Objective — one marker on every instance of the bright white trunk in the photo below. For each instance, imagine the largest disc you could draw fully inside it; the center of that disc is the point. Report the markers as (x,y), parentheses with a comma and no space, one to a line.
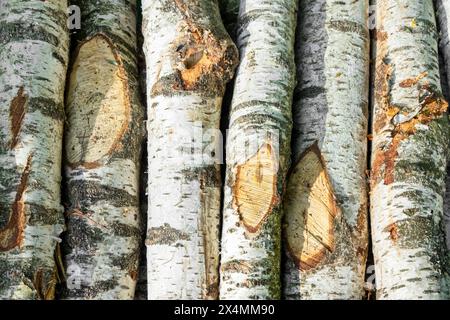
(409,154)
(190,58)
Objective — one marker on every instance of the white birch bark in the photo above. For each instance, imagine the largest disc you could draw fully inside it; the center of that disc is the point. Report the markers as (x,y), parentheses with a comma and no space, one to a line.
(409,154)
(258,150)
(33,62)
(442,8)
(447,209)
(190,58)
(102,151)
(331,112)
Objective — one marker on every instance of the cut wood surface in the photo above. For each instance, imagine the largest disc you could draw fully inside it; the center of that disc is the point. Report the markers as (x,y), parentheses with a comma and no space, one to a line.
(258,150)
(224,149)
(326,202)
(103,138)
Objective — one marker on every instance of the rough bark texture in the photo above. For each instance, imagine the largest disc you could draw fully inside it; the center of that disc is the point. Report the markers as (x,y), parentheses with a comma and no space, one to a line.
(102,154)
(141,286)
(33,63)
(190,58)
(258,150)
(331,120)
(409,154)
(443,14)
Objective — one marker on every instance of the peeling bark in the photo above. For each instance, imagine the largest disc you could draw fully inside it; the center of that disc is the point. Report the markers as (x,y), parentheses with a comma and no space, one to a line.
(331,122)
(33,63)
(190,58)
(258,150)
(410,146)
(103,141)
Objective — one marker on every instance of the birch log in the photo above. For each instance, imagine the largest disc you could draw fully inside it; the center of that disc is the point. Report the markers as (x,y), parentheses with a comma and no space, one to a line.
(102,154)
(442,8)
(409,154)
(33,63)
(190,58)
(325,204)
(258,150)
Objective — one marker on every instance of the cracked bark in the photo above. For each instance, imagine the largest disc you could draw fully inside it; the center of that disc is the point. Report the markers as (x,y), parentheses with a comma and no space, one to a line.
(258,150)
(190,58)
(33,63)
(104,135)
(410,146)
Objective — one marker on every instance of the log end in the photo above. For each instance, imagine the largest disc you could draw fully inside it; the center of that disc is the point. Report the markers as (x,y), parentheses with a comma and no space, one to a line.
(98,104)
(310,209)
(255,188)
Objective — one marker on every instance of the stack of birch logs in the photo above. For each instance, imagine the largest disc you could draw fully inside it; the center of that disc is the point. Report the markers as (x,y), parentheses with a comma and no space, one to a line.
(224,149)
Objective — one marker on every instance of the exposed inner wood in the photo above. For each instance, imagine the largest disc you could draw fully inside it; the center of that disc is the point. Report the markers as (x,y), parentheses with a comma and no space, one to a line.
(45,288)
(255,189)
(11,236)
(310,209)
(433,107)
(413,81)
(203,56)
(16,115)
(98,105)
